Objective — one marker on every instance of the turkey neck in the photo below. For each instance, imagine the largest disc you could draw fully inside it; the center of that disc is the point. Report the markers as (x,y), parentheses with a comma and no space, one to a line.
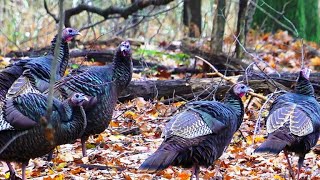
(235,102)
(71,125)
(63,56)
(304,86)
(122,70)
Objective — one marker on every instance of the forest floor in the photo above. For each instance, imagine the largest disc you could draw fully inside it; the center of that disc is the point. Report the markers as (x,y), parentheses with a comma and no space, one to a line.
(114,155)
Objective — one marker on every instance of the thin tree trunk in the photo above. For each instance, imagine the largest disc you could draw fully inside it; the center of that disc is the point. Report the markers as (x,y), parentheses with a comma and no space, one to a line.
(192,17)
(134,20)
(218,27)
(241,27)
(249,17)
(48,126)
(217,30)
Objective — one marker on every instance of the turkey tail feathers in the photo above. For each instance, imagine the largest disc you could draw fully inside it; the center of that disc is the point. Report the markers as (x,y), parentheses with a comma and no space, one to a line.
(271,146)
(158,161)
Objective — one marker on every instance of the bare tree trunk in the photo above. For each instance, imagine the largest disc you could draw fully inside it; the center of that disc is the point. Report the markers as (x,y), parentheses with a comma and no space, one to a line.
(134,20)
(218,27)
(192,17)
(240,27)
(217,30)
(245,17)
(249,17)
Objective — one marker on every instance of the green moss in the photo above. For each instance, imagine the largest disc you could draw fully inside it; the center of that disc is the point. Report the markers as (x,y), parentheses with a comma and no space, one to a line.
(179,57)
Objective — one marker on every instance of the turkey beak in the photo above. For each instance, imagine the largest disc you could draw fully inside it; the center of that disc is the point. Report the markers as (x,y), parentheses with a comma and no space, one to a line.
(85,98)
(77,33)
(249,90)
(124,51)
(122,48)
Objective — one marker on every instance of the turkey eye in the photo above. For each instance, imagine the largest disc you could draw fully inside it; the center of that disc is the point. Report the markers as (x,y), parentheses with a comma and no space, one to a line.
(242,87)
(77,95)
(70,30)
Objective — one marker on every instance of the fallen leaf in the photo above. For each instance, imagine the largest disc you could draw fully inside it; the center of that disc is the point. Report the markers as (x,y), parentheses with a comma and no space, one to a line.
(114,124)
(131,115)
(184,175)
(77,170)
(278,177)
(315,61)
(127,177)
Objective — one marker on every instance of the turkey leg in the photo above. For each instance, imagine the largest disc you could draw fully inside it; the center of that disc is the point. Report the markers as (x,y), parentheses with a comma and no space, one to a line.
(195,171)
(83,145)
(289,164)
(300,164)
(12,171)
(24,165)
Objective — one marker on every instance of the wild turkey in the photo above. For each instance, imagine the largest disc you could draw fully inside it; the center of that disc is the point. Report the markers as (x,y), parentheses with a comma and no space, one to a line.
(35,75)
(26,138)
(104,84)
(198,135)
(293,122)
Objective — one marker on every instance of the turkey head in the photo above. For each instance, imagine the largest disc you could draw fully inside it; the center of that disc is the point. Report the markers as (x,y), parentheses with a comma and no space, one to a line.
(124,49)
(241,89)
(68,34)
(78,99)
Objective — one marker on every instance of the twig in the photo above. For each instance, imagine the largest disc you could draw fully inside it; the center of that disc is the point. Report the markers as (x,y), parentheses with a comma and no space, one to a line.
(92,25)
(281,13)
(54,65)
(160,12)
(302,54)
(12,41)
(50,13)
(266,75)
(100,167)
(132,26)
(275,19)
(258,122)
(158,30)
(229,79)
(12,139)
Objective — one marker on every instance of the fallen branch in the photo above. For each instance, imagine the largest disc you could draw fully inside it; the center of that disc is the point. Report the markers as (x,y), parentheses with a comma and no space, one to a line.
(100,167)
(112,42)
(288,80)
(132,131)
(182,89)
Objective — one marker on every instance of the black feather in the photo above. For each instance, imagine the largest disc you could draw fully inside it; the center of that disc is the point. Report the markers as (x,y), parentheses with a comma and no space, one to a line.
(293,122)
(103,84)
(198,135)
